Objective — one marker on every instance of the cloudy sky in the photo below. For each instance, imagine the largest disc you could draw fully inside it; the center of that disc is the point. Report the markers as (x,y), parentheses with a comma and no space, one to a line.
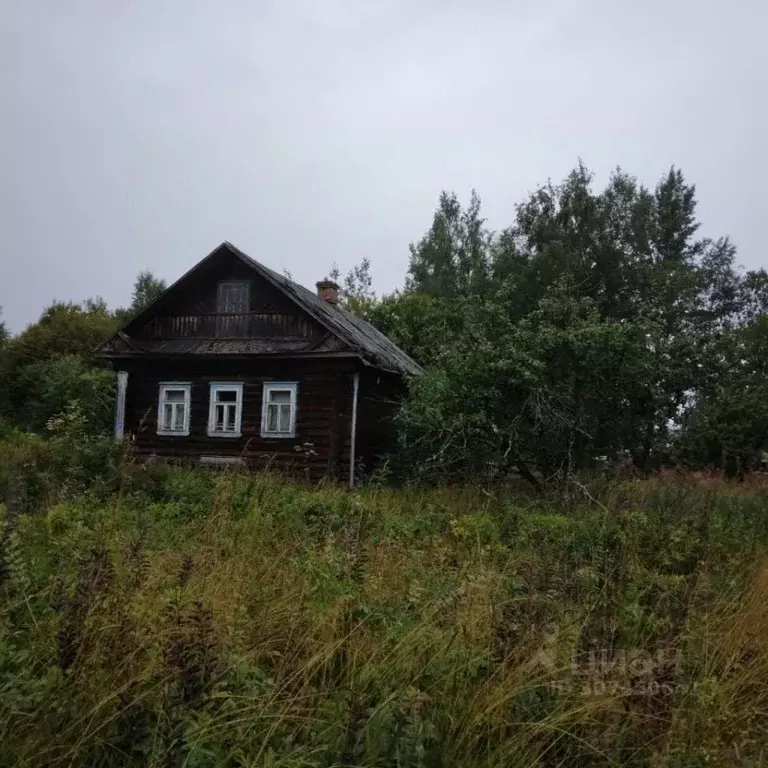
(141,133)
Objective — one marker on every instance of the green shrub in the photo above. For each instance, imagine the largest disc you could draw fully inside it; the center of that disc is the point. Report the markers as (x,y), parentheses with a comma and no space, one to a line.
(25,471)
(35,471)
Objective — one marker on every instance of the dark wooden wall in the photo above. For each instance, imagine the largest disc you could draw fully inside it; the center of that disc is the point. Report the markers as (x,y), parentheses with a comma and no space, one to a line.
(199,296)
(379,397)
(323,416)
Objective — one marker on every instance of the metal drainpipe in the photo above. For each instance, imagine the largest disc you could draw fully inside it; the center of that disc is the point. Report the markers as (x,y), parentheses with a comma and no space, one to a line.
(353,429)
(122,386)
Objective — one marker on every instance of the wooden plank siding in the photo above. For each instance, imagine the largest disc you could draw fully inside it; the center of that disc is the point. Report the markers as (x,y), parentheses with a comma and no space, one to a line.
(323,413)
(194,312)
(379,398)
(231,326)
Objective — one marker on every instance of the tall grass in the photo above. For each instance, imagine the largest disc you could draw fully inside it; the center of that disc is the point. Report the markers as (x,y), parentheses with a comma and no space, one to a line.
(224,618)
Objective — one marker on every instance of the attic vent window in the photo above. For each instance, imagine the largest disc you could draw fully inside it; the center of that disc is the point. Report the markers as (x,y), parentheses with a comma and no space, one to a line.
(234,298)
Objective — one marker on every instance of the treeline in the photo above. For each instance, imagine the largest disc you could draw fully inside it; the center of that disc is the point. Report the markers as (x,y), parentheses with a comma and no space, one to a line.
(598,327)
(49,369)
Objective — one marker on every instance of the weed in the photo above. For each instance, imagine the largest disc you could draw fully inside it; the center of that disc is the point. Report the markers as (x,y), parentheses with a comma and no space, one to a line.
(242,619)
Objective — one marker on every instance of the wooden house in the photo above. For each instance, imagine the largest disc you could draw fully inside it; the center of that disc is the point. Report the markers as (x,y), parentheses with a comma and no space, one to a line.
(236,363)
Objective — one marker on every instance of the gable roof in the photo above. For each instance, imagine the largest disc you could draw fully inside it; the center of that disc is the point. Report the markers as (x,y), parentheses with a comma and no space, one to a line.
(367,342)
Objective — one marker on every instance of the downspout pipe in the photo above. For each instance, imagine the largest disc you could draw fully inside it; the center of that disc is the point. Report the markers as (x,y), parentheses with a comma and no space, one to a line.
(353,429)
(122,388)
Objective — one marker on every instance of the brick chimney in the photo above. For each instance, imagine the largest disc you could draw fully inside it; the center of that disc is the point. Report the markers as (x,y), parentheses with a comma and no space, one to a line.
(328,291)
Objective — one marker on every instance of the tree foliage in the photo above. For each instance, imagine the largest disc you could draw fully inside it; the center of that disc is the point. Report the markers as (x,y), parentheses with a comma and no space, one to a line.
(452,258)
(67,382)
(728,423)
(50,364)
(49,369)
(597,323)
(4,333)
(356,294)
(146,289)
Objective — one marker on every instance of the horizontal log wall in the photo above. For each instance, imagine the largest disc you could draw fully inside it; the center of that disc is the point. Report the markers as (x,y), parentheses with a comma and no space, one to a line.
(322,419)
(379,399)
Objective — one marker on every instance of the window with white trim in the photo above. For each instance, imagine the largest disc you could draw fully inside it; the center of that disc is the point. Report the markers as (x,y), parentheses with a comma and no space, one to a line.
(173,408)
(225,414)
(278,409)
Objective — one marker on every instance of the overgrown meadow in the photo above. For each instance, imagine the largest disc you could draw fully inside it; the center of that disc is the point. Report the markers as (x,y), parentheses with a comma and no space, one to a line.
(168,617)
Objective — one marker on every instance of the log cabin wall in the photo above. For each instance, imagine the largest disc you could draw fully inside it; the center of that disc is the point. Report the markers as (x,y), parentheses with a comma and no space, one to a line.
(323,416)
(378,400)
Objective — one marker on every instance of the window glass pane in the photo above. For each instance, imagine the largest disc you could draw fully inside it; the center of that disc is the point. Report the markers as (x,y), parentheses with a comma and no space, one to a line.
(167,419)
(174,395)
(226,396)
(225,417)
(178,419)
(271,418)
(233,298)
(280,395)
(279,409)
(285,418)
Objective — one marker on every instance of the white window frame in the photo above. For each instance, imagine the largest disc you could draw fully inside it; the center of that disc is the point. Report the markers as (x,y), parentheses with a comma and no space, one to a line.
(225,386)
(268,388)
(164,387)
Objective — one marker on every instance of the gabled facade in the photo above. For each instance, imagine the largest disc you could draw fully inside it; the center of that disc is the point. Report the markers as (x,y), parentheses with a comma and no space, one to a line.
(237,363)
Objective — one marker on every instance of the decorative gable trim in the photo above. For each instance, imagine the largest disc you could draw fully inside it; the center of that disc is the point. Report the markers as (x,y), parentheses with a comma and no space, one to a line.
(118,344)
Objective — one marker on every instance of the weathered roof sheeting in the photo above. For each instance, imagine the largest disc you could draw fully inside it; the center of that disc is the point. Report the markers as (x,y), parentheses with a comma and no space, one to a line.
(365,341)
(372,345)
(271,346)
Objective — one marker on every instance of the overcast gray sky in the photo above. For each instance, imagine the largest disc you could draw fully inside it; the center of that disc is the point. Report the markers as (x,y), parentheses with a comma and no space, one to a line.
(142,133)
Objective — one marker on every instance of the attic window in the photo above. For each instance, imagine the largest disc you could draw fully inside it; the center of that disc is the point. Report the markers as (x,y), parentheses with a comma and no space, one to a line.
(234,298)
